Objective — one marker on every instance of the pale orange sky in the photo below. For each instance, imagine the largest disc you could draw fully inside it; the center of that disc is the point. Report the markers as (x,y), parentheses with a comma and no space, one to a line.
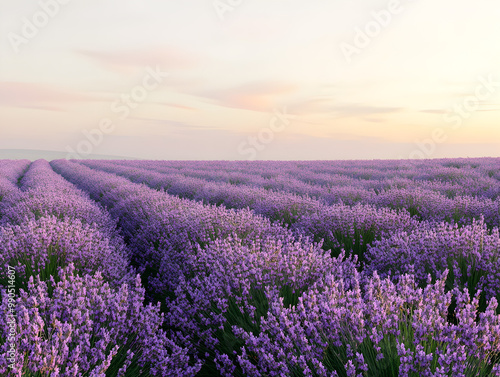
(421,69)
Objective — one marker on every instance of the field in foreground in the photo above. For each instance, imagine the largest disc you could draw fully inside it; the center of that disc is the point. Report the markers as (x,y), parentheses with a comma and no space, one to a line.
(304,268)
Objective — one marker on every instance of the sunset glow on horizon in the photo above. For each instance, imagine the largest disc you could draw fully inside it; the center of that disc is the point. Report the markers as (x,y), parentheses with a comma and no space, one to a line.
(258,79)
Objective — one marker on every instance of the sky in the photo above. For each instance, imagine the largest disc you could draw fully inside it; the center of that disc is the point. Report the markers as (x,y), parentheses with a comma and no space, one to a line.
(251,79)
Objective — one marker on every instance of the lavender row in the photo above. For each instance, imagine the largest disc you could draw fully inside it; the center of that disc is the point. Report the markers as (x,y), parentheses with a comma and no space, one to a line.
(164,231)
(338,226)
(449,177)
(50,223)
(299,180)
(342,227)
(363,169)
(44,193)
(430,202)
(10,172)
(69,261)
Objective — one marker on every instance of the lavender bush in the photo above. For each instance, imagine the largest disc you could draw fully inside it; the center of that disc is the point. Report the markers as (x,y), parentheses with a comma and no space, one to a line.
(471,253)
(230,284)
(10,173)
(81,326)
(376,328)
(353,228)
(39,247)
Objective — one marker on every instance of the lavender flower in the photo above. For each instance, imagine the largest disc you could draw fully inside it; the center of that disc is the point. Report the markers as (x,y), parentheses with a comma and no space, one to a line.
(81,326)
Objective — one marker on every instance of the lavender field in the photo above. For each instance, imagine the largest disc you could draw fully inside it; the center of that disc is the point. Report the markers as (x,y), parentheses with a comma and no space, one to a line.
(250,268)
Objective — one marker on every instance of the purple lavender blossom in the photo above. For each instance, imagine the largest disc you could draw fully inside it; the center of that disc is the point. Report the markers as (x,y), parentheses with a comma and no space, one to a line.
(79,325)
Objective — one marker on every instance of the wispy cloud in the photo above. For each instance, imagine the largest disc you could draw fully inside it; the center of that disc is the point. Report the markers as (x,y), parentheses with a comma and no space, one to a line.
(40,96)
(169,124)
(362,110)
(125,60)
(256,96)
(174,105)
(331,108)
